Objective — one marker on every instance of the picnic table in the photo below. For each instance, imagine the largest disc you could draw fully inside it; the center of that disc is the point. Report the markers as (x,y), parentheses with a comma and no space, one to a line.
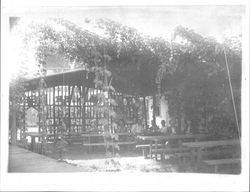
(154,140)
(198,147)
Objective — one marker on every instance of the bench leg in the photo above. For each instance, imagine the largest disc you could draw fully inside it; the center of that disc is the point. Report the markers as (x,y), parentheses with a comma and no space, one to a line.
(150,150)
(162,156)
(216,169)
(156,156)
(183,159)
(179,159)
(144,153)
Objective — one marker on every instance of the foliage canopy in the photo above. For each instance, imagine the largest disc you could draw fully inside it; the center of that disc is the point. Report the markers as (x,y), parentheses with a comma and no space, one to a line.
(190,68)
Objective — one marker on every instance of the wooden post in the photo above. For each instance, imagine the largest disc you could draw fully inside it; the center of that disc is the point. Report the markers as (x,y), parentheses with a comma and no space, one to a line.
(54,113)
(84,95)
(154,108)
(33,143)
(39,109)
(145,111)
(70,95)
(13,124)
(70,99)
(24,121)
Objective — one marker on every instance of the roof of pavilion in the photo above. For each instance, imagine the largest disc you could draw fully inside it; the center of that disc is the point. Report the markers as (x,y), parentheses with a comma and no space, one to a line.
(82,77)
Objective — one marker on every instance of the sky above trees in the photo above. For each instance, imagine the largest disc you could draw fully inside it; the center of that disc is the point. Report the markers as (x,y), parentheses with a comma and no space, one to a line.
(216,21)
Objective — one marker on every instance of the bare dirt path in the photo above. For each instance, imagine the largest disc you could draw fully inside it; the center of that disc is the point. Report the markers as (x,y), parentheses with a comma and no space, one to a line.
(22,160)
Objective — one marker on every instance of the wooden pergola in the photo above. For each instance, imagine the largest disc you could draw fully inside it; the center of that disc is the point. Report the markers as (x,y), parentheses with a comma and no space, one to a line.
(72,90)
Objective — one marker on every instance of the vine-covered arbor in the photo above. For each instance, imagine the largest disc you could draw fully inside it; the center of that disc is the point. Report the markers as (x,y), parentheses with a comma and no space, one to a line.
(71,97)
(189,75)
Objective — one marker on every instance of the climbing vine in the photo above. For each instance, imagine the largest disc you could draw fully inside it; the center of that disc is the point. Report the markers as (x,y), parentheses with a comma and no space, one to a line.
(104,102)
(191,73)
(200,89)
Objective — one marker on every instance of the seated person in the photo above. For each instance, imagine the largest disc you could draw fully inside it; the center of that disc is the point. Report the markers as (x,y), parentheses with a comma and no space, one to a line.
(137,128)
(172,127)
(172,131)
(188,127)
(120,126)
(164,129)
(154,127)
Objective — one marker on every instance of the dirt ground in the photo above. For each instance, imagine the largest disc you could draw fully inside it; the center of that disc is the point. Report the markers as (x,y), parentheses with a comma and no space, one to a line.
(128,160)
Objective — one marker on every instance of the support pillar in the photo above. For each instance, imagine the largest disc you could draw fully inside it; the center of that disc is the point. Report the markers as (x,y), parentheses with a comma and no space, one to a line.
(13,124)
(145,111)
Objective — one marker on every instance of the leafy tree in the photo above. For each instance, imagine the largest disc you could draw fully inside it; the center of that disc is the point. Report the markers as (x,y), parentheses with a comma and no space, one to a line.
(201,83)
(16,93)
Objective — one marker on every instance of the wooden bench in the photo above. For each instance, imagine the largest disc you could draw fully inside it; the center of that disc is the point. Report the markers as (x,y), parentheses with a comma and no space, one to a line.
(145,148)
(125,142)
(221,153)
(94,144)
(103,144)
(178,152)
(121,143)
(71,138)
(215,163)
(75,139)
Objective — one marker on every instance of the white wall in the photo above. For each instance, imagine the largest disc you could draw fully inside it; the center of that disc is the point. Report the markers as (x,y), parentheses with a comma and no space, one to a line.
(57,63)
(164,115)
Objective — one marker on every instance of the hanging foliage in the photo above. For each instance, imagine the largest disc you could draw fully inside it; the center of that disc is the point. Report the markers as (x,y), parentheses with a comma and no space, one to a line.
(194,66)
(201,83)
(103,107)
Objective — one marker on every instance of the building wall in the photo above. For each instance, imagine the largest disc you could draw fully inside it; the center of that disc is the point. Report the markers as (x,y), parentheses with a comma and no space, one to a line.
(163,111)
(57,63)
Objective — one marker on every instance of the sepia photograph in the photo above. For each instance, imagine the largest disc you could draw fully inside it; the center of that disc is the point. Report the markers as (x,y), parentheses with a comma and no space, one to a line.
(125,90)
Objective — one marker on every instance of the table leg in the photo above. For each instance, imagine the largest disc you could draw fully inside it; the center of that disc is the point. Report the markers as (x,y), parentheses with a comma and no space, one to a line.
(199,158)
(150,149)
(216,169)
(179,142)
(193,158)
(89,147)
(156,143)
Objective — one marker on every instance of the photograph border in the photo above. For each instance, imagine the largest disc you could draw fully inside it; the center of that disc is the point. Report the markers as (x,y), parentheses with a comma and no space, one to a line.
(118,181)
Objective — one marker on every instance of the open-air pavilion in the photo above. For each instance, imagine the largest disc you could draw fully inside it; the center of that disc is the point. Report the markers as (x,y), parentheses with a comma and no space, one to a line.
(73,92)
(69,99)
